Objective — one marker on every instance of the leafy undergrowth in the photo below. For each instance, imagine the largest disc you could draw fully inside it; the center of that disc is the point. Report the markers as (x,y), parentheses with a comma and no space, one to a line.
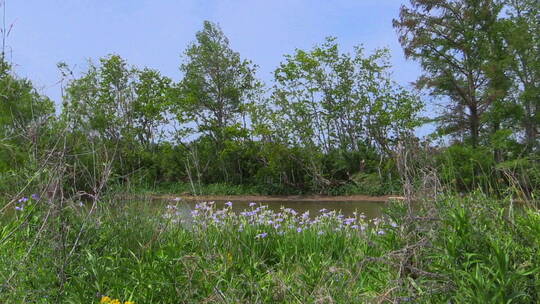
(364,184)
(454,250)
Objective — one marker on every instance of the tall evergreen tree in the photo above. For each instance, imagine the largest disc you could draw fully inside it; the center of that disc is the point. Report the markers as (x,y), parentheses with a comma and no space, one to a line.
(453,41)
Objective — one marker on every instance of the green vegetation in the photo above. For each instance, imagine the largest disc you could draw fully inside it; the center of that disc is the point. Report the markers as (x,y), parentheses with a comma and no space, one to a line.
(330,122)
(470,250)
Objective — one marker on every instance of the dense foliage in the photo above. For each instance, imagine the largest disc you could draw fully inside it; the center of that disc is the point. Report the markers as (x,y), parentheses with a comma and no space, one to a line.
(472,250)
(481,58)
(26,122)
(332,121)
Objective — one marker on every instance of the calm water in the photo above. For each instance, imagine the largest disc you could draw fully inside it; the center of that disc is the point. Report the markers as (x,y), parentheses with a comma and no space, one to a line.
(368,208)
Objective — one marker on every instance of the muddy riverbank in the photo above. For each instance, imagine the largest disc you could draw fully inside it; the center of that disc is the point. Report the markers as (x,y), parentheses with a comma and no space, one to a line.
(278,198)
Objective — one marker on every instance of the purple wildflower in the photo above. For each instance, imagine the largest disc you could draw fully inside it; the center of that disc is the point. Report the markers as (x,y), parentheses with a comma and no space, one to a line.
(261,235)
(252,204)
(291,211)
(349,221)
(228,204)
(35,197)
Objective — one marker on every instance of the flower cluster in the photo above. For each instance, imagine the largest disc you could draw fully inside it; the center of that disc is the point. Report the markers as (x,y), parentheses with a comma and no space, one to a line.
(25,201)
(286,220)
(109,300)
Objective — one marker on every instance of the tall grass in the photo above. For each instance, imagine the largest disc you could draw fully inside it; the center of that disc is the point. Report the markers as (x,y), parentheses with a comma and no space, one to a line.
(451,250)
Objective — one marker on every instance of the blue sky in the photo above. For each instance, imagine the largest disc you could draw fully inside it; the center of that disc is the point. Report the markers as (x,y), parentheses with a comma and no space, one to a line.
(155,33)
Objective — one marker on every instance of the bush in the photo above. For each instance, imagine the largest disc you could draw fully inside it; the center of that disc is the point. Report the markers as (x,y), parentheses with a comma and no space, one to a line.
(466,168)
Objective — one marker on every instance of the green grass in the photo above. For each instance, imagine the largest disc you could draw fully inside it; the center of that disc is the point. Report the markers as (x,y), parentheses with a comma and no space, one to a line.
(456,250)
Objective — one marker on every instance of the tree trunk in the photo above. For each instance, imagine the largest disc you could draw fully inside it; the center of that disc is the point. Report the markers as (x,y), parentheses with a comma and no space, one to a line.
(474,124)
(531,128)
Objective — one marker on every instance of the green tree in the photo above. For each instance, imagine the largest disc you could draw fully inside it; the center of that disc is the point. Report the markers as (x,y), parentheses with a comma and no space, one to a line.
(99,103)
(117,102)
(521,32)
(333,100)
(216,87)
(150,107)
(212,101)
(115,113)
(335,106)
(24,114)
(454,41)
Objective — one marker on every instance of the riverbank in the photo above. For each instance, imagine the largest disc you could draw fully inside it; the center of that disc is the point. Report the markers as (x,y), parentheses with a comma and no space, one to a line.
(188,190)
(279,198)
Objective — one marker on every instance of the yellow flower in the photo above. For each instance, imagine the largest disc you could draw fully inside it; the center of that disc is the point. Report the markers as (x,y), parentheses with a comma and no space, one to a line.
(105,299)
(129,302)
(116,301)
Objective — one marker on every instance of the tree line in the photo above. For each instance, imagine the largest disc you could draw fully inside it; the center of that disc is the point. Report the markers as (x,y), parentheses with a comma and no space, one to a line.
(330,122)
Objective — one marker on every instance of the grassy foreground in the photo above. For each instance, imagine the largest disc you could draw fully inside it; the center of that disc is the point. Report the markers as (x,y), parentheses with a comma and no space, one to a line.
(453,250)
